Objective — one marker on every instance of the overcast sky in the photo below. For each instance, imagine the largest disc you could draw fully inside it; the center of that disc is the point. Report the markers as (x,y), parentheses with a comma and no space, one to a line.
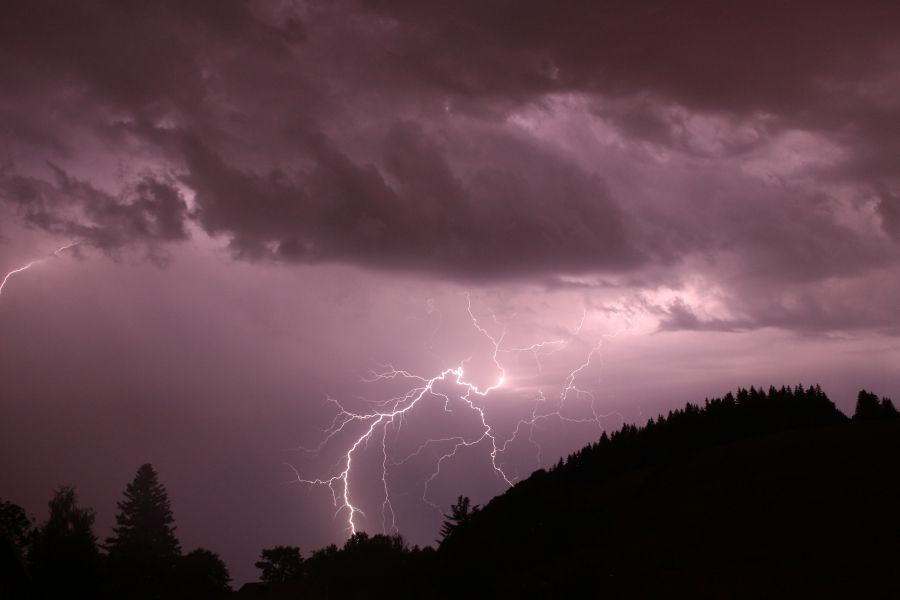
(274,200)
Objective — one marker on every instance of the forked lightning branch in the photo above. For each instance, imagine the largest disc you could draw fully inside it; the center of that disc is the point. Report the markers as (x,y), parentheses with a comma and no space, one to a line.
(375,425)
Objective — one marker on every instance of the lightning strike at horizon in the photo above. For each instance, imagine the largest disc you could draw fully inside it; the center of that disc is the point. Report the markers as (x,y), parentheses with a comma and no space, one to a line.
(393,411)
(34,262)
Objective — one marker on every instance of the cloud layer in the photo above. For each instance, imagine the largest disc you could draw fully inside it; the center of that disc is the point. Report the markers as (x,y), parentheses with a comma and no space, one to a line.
(744,149)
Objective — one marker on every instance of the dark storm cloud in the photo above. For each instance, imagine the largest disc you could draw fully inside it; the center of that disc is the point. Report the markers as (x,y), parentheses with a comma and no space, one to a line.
(137,55)
(406,135)
(151,211)
(746,55)
(498,221)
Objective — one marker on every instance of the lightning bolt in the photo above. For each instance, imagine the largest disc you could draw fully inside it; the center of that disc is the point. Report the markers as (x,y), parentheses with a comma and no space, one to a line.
(391,413)
(34,262)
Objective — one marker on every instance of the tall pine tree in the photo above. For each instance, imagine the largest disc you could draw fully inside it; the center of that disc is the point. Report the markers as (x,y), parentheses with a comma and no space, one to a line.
(143,551)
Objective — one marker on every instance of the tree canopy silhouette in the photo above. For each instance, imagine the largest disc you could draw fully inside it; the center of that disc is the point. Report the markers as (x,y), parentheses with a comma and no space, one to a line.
(280,564)
(15,536)
(64,558)
(201,573)
(143,550)
(869,408)
(15,524)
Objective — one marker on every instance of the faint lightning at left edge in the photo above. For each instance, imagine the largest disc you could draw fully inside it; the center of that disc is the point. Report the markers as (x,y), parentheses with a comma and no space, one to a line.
(34,262)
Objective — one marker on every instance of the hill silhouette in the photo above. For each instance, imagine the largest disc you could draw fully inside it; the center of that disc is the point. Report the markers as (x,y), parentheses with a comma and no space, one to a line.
(758,494)
(773,494)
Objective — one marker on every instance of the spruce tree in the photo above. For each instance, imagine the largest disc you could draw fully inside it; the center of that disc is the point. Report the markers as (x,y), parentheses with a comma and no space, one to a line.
(143,551)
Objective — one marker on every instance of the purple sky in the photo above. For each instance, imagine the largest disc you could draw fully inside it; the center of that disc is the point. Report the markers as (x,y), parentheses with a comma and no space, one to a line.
(273,199)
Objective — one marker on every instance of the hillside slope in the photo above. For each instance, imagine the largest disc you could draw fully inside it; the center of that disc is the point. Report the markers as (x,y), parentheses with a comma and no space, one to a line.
(758,494)
(800,513)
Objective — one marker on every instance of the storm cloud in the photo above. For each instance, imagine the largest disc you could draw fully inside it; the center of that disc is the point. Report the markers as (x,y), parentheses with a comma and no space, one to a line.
(149,212)
(657,142)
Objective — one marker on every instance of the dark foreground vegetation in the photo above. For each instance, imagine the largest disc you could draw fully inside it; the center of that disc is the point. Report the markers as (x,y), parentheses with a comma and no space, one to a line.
(762,494)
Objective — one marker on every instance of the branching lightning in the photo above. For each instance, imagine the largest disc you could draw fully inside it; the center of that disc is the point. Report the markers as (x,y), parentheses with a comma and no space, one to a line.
(34,262)
(390,414)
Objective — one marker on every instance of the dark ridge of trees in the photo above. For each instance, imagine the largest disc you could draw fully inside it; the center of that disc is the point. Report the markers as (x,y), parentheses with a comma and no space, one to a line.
(527,526)
(705,501)
(377,566)
(719,421)
(558,533)
(529,523)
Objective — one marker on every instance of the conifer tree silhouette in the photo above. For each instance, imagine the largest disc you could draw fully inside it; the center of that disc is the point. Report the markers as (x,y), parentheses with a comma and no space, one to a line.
(143,551)
(460,514)
(867,406)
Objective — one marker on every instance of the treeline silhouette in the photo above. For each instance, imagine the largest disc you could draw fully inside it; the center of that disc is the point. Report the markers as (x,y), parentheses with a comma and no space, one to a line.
(62,558)
(687,505)
(571,508)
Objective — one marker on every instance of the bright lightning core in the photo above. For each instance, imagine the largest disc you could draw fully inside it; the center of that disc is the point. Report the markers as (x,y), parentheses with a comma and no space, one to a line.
(452,392)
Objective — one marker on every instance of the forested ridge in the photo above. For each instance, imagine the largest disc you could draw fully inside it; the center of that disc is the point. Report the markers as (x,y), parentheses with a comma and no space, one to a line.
(771,493)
